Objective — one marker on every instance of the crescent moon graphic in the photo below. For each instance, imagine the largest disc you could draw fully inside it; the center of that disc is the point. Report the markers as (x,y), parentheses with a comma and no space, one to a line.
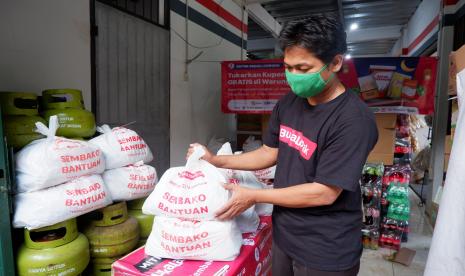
(405,68)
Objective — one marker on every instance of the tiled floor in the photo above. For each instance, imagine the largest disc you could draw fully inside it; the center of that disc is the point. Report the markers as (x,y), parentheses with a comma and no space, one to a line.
(373,264)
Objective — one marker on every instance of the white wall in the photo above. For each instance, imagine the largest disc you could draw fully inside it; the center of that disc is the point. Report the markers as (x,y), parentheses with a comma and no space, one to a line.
(425,13)
(45,44)
(196,103)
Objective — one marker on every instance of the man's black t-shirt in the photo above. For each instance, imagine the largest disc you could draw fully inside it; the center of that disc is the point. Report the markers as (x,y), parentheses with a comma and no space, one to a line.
(328,144)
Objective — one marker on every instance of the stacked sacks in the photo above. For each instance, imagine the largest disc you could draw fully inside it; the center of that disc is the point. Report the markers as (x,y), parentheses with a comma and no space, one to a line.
(20,115)
(57,179)
(125,152)
(111,233)
(121,147)
(68,106)
(127,178)
(184,202)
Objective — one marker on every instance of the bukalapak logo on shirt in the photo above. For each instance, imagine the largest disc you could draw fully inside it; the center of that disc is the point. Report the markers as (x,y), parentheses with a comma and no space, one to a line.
(295,139)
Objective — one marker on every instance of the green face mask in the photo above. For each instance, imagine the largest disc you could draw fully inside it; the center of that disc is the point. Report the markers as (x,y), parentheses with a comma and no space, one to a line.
(308,84)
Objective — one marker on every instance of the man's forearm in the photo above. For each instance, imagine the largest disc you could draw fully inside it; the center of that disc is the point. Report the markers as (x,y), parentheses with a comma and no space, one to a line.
(299,196)
(255,160)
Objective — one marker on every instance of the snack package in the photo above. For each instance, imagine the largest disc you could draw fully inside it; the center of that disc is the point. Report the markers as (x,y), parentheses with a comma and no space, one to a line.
(176,238)
(121,147)
(194,191)
(395,87)
(52,205)
(409,89)
(382,75)
(131,182)
(55,160)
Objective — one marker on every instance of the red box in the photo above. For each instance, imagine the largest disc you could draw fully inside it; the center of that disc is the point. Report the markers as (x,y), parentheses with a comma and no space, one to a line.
(254,259)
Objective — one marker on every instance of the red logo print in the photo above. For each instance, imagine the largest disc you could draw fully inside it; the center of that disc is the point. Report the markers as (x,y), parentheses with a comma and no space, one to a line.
(190,175)
(295,139)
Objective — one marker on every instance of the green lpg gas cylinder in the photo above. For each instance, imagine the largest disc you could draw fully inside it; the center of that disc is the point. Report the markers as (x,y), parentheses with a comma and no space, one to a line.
(145,222)
(102,266)
(20,130)
(55,250)
(62,99)
(112,232)
(19,103)
(73,122)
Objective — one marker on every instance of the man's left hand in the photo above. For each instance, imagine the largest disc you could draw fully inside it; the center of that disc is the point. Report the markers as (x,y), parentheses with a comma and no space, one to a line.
(241,200)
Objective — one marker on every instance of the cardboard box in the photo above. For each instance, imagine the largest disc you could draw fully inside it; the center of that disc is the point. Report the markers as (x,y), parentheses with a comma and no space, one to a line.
(459,59)
(254,259)
(446,161)
(448,144)
(386,120)
(384,148)
(386,141)
(385,158)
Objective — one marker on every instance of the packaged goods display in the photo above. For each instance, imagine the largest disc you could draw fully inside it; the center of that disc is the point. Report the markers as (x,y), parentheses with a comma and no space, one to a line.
(395,206)
(194,191)
(130,182)
(55,160)
(176,238)
(55,250)
(58,203)
(121,147)
(371,186)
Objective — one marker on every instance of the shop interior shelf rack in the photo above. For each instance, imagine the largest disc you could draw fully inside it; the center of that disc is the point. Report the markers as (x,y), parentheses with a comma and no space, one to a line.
(7,265)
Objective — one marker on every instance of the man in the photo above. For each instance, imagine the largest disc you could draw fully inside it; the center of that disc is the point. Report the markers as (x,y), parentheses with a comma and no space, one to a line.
(319,136)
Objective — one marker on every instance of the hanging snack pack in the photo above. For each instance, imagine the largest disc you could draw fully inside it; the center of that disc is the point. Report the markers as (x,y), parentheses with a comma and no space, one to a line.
(54,160)
(131,182)
(121,147)
(192,192)
(52,205)
(176,238)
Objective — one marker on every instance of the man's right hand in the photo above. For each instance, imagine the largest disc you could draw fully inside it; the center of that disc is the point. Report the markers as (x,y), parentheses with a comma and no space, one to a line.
(208,156)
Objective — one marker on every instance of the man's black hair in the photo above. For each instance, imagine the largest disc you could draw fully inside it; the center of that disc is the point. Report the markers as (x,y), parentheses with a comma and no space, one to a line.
(323,35)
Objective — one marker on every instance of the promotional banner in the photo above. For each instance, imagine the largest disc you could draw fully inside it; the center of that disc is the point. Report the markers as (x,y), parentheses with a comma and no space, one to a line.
(393,84)
(252,86)
(387,85)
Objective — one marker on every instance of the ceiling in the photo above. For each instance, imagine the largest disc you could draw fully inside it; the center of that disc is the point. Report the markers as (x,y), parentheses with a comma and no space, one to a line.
(370,15)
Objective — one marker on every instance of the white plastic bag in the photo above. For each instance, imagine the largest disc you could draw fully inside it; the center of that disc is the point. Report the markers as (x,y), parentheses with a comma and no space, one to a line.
(251,144)
(265,173)
(130,182)
(52,205)
(226,150)
(193,192)
(121,147)
(54,160)
(194,240)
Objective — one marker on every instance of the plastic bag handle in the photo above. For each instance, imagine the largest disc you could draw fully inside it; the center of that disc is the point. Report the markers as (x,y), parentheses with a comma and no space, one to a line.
(49,131)
(138,164)
(195,157)
(104,129)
